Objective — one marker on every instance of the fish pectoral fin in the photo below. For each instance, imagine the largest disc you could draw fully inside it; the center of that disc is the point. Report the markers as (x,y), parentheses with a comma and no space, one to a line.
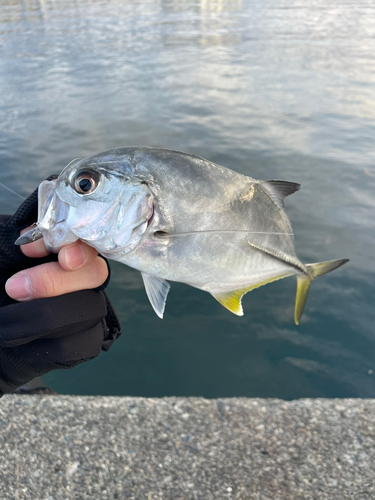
(157,290)
(232,300)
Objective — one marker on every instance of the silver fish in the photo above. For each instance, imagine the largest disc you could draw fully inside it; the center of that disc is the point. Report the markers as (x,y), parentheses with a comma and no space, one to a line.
(177,217)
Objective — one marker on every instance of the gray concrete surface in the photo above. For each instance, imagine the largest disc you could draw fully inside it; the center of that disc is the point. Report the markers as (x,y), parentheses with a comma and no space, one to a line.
(66,447)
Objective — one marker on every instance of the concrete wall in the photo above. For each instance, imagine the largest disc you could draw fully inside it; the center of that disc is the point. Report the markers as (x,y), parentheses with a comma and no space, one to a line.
(66,447)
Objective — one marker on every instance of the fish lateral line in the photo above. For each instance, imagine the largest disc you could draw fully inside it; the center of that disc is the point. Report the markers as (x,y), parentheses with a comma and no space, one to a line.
(164,234)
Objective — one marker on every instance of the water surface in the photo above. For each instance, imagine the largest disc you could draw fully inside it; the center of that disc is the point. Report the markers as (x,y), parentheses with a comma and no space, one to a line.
(272,89)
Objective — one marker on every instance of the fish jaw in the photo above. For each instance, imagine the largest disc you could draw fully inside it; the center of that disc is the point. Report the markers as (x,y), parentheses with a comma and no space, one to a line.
(53,218)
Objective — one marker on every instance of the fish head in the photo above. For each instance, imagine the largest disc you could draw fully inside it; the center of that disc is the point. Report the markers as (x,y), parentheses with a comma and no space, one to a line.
(102,203)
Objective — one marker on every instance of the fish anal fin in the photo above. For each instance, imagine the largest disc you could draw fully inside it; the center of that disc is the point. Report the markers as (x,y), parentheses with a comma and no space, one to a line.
(232,300)
(304,282)
(157,290)
(278,190)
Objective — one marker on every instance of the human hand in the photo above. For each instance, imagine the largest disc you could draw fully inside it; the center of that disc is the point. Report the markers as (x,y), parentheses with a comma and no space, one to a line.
(54,313)
(78,268)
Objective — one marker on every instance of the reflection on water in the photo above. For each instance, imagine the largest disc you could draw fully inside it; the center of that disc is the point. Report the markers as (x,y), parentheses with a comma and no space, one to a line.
(271,89)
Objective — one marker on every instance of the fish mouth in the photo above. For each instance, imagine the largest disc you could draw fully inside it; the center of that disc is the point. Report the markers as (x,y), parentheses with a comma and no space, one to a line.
(52,217)
(51,212)
(33,234)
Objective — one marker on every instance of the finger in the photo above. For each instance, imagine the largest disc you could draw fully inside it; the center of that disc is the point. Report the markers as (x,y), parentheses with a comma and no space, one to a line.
(36,250)
(50,280)
(71,258)
(77,255)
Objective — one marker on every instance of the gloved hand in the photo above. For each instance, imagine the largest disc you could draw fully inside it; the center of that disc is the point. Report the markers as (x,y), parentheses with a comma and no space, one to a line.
(60,331)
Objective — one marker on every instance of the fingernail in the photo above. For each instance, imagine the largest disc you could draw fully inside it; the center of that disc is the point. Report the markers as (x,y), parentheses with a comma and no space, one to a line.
(19,287)
(75,256)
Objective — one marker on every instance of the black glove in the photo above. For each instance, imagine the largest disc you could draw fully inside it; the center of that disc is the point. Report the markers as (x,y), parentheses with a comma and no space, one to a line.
(46,334)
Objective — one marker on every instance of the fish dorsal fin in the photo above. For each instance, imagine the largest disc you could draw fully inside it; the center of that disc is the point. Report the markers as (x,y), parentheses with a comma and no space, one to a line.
(157,290)
(232,300)
(278,190)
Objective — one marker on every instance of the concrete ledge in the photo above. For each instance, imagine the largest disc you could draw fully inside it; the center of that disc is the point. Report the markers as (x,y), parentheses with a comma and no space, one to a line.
(64,447)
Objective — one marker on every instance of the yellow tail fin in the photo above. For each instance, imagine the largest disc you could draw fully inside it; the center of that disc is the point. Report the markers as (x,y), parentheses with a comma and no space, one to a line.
(304,282)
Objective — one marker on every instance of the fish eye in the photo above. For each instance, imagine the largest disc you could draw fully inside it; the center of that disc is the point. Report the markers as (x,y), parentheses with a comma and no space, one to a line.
(86,182)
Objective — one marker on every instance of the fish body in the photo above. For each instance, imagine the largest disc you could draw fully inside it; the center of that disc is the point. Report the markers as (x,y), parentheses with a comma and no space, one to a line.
(177,217)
